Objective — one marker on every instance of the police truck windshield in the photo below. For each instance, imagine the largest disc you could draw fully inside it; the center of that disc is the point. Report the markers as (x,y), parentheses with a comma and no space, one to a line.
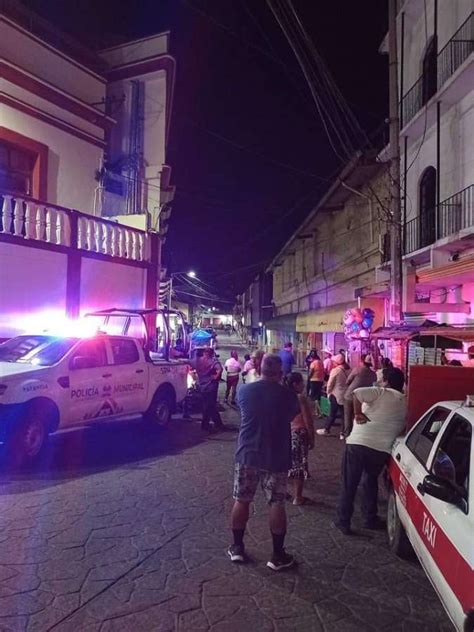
(36,350)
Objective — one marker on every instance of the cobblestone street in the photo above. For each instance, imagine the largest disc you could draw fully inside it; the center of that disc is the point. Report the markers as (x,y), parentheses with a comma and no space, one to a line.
(127,531)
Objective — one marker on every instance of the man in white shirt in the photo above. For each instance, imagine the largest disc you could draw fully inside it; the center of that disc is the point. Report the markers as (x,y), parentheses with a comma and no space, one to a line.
(233,368)
(328,363)
(380,416)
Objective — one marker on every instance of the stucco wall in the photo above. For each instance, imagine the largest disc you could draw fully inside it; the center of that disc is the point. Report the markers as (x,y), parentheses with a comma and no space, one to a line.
(342,255)
(106,284)
(71,161)
(457,154)
(33,287)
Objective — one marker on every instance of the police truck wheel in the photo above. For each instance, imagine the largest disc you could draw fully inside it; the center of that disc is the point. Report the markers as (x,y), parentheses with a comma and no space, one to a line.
(159,413)
(398,541)
(27,441)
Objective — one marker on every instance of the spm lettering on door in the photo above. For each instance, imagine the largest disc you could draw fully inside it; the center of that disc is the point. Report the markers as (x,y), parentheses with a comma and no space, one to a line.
(429,530)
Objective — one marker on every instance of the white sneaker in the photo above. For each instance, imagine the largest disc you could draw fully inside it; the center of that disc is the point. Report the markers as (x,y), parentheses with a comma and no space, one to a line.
(323,432)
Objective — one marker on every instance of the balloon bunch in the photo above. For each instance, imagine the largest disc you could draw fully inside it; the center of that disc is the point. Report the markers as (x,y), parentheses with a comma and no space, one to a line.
(358,322)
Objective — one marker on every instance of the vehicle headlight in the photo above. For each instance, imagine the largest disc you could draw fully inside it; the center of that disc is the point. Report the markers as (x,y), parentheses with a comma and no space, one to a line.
(190,380)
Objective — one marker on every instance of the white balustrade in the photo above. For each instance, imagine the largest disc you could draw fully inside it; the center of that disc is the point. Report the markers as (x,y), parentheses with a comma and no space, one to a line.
(7,214)
(108,231)
(63,230)
(113,241)
(141,246)
(30,219)
(134,245)
(122,242)
(90,239)
(18,217)
(50,225)
(129,241)
(98,236)
(41,223)
(82,233)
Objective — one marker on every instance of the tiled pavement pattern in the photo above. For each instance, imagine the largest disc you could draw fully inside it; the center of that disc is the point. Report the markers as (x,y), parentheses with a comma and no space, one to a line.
(126,531)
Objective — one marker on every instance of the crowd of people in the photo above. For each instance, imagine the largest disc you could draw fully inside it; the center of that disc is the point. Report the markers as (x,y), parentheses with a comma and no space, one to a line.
(276,433)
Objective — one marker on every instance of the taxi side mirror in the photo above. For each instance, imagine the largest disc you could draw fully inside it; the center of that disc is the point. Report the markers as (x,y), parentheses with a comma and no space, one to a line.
(441,488)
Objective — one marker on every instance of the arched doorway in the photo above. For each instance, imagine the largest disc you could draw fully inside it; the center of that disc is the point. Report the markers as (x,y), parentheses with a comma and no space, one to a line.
(427,225)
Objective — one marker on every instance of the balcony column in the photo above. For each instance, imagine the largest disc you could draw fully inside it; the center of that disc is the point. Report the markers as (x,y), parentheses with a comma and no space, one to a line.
(152,281)
(73,273)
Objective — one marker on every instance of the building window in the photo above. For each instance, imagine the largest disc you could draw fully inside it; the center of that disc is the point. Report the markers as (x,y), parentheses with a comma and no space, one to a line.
(16,169)
(427,218)
(430,66)
(23,165)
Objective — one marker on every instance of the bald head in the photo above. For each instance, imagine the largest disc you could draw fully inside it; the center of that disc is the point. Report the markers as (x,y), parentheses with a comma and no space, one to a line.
(271,367)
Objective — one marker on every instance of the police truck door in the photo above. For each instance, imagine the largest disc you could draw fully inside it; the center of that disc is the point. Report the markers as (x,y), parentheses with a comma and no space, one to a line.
(90,377)
(130,375)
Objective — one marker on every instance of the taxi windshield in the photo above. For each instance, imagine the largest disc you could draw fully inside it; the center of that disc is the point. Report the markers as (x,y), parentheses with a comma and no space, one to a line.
(37,350)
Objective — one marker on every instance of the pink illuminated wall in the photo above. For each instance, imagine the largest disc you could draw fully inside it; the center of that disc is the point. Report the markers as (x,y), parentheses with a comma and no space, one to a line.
(33,287)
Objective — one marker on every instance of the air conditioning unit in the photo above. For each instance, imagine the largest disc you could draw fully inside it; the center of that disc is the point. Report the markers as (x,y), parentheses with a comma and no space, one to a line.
(115,183)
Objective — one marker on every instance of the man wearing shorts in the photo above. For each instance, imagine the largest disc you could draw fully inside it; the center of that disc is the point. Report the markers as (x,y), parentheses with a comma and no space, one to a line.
(263,457)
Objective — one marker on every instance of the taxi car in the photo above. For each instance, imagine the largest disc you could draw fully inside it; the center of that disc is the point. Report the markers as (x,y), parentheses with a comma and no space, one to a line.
(431,504)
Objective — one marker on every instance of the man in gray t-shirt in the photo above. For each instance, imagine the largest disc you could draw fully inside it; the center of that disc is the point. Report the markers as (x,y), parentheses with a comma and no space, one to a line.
(379,413)
(263,457)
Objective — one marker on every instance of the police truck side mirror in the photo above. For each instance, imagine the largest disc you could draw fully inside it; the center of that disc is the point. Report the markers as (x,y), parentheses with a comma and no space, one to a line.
(441,488)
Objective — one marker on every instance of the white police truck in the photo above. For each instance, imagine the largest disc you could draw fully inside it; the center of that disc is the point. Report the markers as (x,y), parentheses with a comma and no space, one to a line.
(53,382)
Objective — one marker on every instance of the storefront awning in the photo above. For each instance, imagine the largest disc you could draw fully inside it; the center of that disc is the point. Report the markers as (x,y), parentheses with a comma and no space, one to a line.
(329,319)
(286,322)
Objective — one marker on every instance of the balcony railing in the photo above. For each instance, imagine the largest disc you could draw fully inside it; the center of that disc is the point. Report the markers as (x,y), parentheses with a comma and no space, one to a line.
(30,219)
(456,213)
(456,51)
(449,59)
(452,215)
(420,231)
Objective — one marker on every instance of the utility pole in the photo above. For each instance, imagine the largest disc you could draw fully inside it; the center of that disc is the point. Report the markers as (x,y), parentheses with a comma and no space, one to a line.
(395,204)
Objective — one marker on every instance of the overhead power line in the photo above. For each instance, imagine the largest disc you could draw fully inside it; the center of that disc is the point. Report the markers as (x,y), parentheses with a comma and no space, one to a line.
(342,129)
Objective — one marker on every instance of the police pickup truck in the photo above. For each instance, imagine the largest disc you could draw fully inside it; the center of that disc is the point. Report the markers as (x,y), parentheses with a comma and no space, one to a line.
(49,383)
(431,504)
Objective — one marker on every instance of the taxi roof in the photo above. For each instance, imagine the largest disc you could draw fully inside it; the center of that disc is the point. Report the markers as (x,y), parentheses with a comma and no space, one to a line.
(467,411)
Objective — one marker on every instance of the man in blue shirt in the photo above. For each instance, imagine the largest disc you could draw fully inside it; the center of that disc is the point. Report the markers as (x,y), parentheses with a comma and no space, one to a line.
(263,457)
(287,359)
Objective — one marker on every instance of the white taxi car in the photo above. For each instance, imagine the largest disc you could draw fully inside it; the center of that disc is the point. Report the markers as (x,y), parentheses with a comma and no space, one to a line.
(431,504)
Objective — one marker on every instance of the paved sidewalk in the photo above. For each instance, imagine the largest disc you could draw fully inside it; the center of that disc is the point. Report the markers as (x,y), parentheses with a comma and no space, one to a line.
(127,531)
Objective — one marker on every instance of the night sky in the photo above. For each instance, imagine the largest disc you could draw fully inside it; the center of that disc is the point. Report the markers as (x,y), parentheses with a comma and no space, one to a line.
(248,151)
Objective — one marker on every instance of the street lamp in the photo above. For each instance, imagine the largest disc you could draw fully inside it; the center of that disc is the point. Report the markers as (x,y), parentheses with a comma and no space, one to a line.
(189,273)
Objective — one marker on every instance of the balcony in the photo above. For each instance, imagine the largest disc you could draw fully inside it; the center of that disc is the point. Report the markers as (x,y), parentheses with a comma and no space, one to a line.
(450,217)
(449,59)
(25,220)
